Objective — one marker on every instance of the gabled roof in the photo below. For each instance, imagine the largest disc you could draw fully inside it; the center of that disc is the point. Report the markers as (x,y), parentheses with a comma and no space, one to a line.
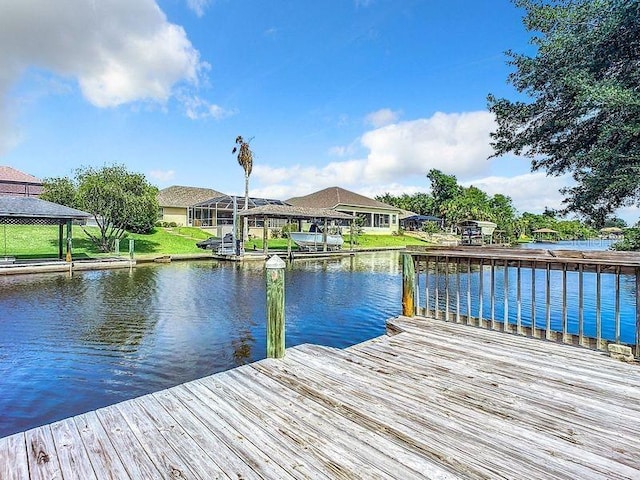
(10,174)
(333,197)
(179,196)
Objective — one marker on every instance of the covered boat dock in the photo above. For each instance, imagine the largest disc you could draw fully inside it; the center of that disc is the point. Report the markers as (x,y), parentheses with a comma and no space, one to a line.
(294,214)
(34,211)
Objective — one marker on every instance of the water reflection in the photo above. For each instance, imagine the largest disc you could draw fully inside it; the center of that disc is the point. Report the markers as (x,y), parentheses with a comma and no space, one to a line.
(68,345)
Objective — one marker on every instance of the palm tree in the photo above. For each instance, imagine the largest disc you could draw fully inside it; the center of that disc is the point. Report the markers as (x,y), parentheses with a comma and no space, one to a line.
(245,159)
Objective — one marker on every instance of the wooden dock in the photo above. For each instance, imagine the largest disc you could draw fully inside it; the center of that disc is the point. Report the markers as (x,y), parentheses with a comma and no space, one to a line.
(436,400)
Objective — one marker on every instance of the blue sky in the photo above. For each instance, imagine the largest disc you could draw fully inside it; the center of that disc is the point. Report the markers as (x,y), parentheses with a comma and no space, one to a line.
(365,94)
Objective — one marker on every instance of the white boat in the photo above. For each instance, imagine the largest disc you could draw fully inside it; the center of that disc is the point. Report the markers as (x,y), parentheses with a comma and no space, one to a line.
(314,240)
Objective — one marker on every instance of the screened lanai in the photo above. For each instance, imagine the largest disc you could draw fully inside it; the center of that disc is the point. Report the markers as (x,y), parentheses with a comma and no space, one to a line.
(218,211)
(33,211)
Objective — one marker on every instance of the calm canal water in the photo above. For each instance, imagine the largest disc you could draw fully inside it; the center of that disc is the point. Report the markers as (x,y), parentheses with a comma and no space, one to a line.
(70,345)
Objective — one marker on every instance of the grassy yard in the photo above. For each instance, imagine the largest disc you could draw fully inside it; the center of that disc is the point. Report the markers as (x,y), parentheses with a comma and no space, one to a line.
(364,241)
(30,241)
(35,241)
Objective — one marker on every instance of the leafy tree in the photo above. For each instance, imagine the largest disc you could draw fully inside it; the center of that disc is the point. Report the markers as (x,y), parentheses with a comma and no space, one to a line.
(420,203)
(119,200)
(504,214)
(444,188)
(59,190)
(535,221)
(430,227)
(615,222)
(245,159)
(471,204)
(582,115)
(631,240)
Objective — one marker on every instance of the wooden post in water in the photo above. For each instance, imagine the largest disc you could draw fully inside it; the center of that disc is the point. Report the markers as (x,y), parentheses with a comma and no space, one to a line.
(408,286)
(275,307)
(265,236)
(69,241)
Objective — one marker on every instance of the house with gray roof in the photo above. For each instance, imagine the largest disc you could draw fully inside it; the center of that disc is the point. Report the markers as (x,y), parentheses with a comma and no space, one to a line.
(377,217)
(175,203)
(15,183)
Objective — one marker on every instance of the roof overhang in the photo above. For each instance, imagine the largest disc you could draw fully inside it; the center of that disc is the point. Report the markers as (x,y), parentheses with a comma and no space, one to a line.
(34,211)
(298,213)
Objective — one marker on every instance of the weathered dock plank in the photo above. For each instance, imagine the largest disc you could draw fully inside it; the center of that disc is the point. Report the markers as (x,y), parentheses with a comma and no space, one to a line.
(218,453)
(41,454)
(336,433)
(71,450)
(512,438)
(13,457)
(536,411)
(124,440)
(438,400)
(102,455)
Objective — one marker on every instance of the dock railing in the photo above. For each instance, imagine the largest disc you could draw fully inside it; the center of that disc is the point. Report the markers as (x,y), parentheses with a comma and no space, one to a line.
(585,298)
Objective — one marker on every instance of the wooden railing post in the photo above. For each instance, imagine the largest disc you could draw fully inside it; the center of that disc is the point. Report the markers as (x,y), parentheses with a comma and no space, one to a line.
(408,286)
(275,307)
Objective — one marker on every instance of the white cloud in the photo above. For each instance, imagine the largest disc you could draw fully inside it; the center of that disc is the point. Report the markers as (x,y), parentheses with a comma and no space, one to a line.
(530,192)
(456,143)
(338,151)
(334,173)
(119,51)
(162,175)
(197,108)
(198,6)
(382,117)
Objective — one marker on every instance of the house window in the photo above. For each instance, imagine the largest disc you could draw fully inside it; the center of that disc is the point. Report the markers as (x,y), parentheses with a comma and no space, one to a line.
(380,220)
(366,219)
(394,219)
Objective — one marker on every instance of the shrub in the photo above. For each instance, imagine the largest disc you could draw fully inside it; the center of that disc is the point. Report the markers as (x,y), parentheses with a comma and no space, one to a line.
(289,227)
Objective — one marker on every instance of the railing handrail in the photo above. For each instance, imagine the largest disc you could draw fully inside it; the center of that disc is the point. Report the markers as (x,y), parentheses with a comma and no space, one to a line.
(443,291)
(627,262)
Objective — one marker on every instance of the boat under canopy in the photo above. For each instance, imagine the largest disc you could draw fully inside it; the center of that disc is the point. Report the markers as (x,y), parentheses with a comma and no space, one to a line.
(290,213)
(314,241)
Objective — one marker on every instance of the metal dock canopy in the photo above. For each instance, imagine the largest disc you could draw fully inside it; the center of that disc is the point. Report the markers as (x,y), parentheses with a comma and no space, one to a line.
(295,213)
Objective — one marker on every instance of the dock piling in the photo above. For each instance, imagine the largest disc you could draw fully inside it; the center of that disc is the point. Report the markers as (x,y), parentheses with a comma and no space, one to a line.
(275,307)
(408,285)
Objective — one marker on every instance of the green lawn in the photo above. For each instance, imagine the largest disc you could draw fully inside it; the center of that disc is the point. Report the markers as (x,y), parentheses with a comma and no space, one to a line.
(34,241)
(363,241)
(378,241)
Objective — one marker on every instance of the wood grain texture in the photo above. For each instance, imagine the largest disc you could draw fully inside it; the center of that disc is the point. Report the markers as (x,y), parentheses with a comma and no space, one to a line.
(436,400)
(13,457)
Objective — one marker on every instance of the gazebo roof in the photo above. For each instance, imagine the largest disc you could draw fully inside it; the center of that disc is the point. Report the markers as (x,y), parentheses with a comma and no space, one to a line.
(287,211)
(544,230)
(611,230)
(421,218)
(31,210)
